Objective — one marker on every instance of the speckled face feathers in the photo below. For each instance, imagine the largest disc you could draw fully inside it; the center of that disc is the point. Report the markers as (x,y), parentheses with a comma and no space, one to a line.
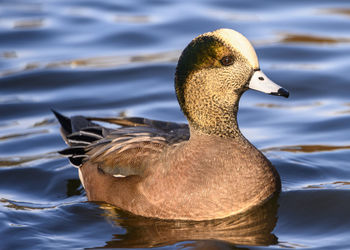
(212,73)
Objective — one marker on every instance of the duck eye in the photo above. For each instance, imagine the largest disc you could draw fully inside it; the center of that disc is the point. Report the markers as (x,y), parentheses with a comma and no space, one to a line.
(227,60)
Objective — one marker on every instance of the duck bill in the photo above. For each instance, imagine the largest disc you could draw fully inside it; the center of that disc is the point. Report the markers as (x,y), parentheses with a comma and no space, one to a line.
(262,83)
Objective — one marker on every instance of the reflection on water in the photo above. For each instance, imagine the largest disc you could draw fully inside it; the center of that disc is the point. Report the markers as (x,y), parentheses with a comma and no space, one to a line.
(8,54)
(11,136)
(98,62)
(251,228)
(28,24)
(338,11)
(299,38)
(114,61)
(24,205)
(333,185)
(20,160)
(133,19)
(290,106)
(307,148)
(343,112)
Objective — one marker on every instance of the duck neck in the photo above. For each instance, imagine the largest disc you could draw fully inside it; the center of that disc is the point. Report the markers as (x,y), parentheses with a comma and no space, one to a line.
(219,120)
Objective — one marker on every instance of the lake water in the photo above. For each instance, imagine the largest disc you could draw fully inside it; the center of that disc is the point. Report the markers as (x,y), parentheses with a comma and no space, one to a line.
(106,58)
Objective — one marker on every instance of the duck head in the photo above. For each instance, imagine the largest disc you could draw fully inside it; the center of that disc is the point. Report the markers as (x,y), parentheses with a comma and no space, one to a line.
(213,72)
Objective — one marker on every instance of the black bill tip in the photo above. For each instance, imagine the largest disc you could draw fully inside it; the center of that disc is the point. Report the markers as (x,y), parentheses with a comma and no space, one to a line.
(281,92)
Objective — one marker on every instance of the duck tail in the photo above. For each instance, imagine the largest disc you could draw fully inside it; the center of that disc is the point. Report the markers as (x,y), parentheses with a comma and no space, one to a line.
(64,121)
(78,133)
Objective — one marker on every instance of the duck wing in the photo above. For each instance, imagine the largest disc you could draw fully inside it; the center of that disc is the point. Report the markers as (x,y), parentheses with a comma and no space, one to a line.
(124,151)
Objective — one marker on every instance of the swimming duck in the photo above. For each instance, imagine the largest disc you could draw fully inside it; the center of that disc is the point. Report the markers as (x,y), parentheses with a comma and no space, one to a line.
(201,171)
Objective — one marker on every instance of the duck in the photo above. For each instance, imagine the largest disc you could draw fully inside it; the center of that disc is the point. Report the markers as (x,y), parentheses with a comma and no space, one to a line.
(201,170)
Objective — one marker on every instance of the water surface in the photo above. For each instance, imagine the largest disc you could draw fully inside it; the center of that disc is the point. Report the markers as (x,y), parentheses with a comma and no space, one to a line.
(106,58)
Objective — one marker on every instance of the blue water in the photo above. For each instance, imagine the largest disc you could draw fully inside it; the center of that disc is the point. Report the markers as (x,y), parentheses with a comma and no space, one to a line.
(106,58)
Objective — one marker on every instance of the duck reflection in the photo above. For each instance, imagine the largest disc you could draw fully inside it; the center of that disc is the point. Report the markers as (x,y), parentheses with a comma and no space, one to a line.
(253,227)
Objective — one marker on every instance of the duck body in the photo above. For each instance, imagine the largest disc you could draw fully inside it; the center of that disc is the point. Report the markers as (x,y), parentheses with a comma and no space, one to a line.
(207,179)
(201,171)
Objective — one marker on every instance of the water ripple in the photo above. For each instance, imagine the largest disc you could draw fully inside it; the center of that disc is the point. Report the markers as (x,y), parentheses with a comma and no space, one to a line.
(105,58)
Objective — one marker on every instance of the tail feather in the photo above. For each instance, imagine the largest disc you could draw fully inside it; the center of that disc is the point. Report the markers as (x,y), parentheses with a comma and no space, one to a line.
(82,137)
(64,121)
(77,161)
(78,132)
(77,150)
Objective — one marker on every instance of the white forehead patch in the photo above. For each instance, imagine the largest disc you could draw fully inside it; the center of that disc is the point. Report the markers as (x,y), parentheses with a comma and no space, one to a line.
(238,42)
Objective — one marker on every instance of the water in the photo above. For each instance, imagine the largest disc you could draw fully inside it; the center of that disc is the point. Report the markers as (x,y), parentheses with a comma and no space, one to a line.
(104,58)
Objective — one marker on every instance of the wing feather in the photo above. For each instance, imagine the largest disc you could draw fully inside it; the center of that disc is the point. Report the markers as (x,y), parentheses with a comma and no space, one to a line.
(122,151)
